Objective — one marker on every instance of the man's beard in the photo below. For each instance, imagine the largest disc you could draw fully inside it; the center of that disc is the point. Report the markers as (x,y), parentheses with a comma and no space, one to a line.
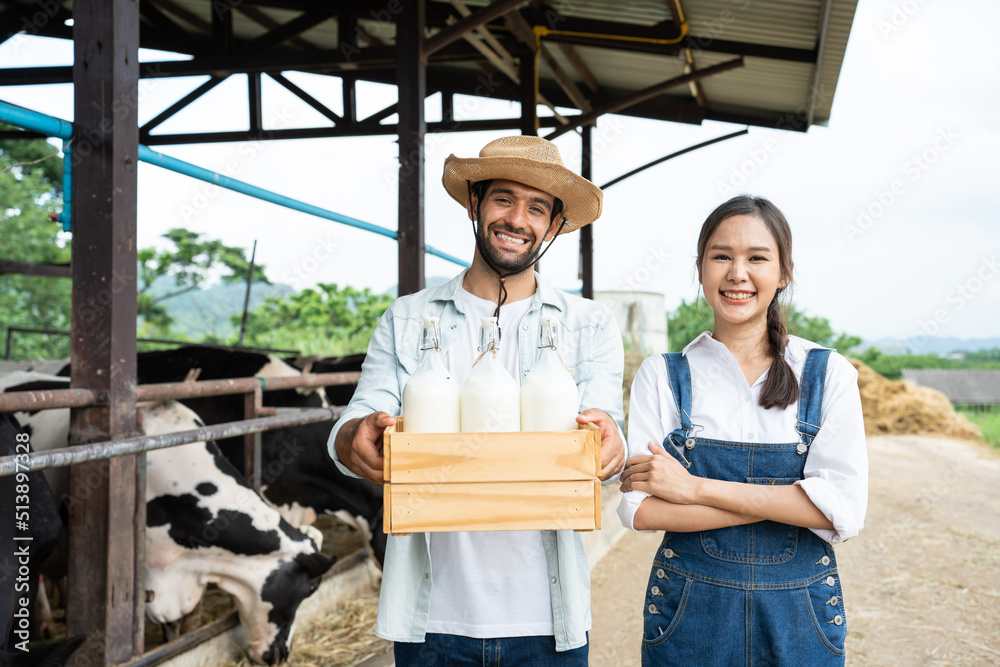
(500,261)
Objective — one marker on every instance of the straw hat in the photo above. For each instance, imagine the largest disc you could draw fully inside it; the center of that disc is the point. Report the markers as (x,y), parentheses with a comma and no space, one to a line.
(533,161)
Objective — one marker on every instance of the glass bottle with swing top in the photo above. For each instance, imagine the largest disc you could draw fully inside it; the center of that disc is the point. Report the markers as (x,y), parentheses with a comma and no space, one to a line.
(550,400)
(490,396)
(431,396)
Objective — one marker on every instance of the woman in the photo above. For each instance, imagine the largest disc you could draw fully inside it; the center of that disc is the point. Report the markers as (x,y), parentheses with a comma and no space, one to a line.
(749,452)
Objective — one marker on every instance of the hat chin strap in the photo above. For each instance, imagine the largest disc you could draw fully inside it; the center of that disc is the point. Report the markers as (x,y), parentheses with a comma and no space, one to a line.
(502,292)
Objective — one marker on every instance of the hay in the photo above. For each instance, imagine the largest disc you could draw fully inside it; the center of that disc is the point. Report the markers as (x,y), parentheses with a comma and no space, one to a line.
(344,637)
(899,407)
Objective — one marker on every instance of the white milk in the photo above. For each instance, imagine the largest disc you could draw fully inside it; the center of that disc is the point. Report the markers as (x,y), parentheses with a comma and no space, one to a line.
(490,397)
(549,397)
(431,395)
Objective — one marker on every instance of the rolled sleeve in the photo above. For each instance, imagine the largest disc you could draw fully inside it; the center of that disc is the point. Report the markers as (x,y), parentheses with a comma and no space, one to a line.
(628,506)
(378,388)
(835,476)
(648,421)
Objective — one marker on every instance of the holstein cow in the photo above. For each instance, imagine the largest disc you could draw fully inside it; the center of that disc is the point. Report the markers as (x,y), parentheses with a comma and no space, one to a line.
(29,528)
(205,524)
(297,474)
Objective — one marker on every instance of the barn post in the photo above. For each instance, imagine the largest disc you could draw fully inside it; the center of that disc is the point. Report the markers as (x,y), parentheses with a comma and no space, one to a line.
(102,505)
(529,96)
(587,233)
(411,81)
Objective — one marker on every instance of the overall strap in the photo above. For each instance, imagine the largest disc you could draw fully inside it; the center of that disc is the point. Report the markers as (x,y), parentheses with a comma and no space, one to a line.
(679,374)
(811,396)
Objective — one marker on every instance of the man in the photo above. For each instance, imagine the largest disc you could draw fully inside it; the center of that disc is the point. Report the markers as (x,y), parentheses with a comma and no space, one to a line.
(517,597)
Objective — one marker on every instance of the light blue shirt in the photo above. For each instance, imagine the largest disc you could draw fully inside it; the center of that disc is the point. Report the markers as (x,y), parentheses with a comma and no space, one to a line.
(591,346)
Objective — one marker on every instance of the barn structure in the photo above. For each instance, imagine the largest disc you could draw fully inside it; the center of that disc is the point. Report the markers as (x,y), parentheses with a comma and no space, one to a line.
(979,389)
(767,63)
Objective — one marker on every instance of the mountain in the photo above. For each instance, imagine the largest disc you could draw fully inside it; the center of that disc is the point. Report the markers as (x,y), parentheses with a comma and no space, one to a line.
(930,345)
(206,312)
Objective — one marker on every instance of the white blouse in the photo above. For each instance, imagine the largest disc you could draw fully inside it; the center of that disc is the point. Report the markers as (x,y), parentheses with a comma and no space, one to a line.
(836,466)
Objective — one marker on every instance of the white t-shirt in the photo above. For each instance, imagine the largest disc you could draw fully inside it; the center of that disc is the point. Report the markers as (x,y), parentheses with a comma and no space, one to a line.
(489,583)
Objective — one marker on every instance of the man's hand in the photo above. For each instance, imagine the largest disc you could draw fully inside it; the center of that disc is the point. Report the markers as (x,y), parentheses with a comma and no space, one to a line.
(612,447)
(359,445)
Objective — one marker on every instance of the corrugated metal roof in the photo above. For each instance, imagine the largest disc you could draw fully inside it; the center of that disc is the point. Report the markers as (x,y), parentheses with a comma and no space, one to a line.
(960,386)
(779,40)
(765,91)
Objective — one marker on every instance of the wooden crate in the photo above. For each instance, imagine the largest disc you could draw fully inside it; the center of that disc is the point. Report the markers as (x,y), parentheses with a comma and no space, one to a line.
(440,482)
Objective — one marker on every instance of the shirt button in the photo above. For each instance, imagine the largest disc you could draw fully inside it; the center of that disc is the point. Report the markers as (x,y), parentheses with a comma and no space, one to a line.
(746,399)
(655,590)
(830,581)
(749,436)
(668,553)
(661,574)
(825,560)
(427,575)
(553,580)
(524,327)
(838,620)
(834,600)
(652,609)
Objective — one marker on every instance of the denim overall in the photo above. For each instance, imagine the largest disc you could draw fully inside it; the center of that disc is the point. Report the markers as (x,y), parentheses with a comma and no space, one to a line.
(765,593)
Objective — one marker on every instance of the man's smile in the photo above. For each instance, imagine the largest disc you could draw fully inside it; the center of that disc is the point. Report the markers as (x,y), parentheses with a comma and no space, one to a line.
(510,240)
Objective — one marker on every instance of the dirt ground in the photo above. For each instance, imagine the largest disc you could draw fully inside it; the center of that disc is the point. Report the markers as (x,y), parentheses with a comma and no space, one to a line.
(921,582)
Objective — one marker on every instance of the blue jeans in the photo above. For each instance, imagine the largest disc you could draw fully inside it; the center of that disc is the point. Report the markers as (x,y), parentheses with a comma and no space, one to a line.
(456,651)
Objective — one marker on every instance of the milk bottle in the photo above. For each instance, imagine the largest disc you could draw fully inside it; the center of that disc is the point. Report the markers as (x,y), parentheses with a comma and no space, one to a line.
(549,397)
(431,395)
(490,397)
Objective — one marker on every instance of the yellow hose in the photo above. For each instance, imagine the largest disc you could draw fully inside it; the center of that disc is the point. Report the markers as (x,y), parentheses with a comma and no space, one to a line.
(541,31)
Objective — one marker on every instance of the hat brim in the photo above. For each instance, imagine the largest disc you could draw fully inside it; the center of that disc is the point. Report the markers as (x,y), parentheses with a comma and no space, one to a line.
(581,198)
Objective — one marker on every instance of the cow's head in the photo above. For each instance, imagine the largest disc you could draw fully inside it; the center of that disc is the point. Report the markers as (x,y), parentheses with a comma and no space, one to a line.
(284,590)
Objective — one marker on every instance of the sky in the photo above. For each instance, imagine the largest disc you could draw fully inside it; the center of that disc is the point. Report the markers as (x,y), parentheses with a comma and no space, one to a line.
(893,207)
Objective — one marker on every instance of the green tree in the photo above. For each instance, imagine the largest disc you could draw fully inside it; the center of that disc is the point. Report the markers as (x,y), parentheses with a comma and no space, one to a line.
(690,319)
(687,322)
(818,330)
(191,263)
(328,320)
(31,190)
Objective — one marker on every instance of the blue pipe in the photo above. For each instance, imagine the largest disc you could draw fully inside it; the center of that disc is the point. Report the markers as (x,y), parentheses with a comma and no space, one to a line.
(37,122)
(64,215)
(57,127)
(150,156)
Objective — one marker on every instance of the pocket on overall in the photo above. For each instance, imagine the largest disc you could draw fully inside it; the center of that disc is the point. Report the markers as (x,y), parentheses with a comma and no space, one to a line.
(762,543)
(666,597)
(825,604)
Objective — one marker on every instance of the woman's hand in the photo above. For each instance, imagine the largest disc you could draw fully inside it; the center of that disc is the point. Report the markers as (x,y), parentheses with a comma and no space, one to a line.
(660,475)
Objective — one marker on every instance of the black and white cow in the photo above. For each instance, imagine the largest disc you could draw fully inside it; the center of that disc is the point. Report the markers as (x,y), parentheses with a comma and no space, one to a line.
(205,524)
(25,497)
(297,474)
(208,526)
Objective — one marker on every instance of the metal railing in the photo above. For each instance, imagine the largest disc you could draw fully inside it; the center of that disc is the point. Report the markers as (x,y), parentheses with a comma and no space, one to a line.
(163,341)
(258,418)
